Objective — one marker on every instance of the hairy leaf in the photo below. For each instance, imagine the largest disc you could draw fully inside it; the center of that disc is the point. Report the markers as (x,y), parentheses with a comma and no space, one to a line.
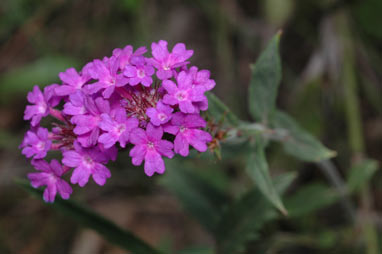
(360,173)
(257,168)
(266,77)
(310,198)
(298,142)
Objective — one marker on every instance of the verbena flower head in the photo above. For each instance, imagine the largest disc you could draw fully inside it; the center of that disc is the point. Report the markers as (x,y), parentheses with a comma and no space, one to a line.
(127,100)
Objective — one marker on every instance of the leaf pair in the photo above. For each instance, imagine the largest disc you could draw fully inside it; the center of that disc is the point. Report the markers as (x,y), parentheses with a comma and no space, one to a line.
(266,78)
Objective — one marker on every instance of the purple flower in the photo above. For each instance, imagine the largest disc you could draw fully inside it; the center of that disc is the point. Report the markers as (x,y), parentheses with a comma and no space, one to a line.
(139,72)
(150,147)
(86,163)
(75,105)
(36,144)
(87,125)
(110,154)
(42,102)
(72,81)
(124,55)
(105,72)
(117,129)
(184,94)
(165,62)
(202,78)
(201,105)
(161,114)
(185,127)
(111,102)
(50,176)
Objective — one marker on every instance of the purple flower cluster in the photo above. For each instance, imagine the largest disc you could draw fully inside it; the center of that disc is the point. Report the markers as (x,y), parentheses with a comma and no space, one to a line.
(120,101)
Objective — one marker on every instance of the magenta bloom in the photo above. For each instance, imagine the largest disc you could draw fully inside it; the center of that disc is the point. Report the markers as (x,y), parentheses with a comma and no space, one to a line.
(87,125)
(86,163)
(202,78)
(186,129)
(113,101)
(75,105)
(161,114)
(72,81)
(165,62)
(117,129)
(139,72)
(36,144)
(105,72)
(150,147)
(124,55)
(110,154)
(42,102)
(50,176)
(184,94)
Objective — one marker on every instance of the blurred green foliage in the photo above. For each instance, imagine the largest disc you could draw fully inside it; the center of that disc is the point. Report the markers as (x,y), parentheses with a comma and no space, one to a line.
(299,112)
(42,72)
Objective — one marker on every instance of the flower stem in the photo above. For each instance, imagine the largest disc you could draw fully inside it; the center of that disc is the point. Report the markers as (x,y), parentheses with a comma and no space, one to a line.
(354,123)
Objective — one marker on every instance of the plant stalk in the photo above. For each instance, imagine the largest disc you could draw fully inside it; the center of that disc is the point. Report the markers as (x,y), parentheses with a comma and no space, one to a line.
(354,123)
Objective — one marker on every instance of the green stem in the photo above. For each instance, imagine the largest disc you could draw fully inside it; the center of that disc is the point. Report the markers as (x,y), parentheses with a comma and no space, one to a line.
(354,123)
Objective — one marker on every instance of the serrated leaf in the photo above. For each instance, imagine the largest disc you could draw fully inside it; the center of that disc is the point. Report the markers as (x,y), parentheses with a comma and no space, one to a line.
(101,225)
(257,168)
(310,198)
(298,142)
(219,111)
(198,197)
(265,80)
(241,221)
(361,173)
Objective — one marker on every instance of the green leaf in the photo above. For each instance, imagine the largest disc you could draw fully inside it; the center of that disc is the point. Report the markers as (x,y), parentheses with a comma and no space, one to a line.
(283,181)
(298,142)
(43,72)
(220,111)
(310,198)
(361,173)
(198,196)
(104,227)
(241,221)
(257,168)
(266,77)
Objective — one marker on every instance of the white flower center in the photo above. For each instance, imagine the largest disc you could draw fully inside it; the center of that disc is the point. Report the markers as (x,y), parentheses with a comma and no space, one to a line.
(141,73)
(40,145)
(150,145)
(180,96)
(182,129)
(162,116)
(88,162)
(42,107)
(52,178)
(121,128)
(111,81)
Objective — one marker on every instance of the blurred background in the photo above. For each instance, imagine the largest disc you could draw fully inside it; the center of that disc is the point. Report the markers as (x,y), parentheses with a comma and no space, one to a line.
(331,54)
